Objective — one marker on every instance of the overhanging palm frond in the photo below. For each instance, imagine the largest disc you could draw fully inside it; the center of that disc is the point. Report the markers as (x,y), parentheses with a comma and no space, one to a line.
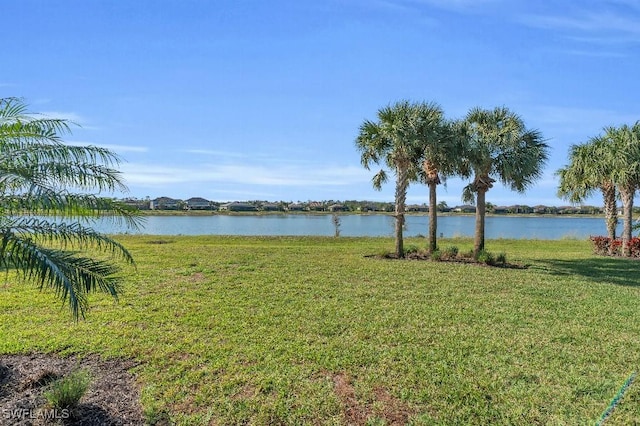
(71,236)
(40,175)
(71,276)
(63,205)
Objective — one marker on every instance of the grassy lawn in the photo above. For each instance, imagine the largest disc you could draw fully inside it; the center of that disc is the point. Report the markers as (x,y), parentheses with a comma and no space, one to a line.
(243,330)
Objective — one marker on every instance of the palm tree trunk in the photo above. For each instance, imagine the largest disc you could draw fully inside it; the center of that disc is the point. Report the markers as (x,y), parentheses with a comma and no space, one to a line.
(610,209)
(402,183)
(433,218)
(627,193)
(478,244)
(432,180)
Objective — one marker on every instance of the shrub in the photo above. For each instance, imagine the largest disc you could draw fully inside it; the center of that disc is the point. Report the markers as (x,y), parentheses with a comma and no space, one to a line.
(501,259)
(485,257)
(605,246)
(411,249)
(67,391)
(451,252)
(436,255)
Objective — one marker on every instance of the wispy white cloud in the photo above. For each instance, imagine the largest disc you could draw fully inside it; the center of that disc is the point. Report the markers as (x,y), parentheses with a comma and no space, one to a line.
(595,53)
(590,24)
(591,21)
(458,4)
(73,117)
(285,175)
(216,153)
(454,5)
(575,120)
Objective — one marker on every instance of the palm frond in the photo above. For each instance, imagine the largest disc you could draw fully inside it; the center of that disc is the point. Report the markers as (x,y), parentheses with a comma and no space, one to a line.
(72,236)
(41,175)
(71,276)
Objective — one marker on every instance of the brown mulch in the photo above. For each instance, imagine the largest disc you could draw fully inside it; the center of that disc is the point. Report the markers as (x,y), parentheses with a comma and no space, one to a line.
(112,398)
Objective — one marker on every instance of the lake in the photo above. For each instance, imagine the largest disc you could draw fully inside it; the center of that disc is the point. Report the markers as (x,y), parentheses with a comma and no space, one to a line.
(375,225)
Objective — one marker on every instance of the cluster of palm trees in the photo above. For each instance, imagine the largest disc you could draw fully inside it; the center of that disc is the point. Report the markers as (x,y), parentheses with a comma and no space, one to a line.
(609,162)
(50,191)
(418,144)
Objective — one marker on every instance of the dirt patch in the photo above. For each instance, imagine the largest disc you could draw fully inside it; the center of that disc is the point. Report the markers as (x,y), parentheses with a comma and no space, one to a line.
(197,277)
(386,407)
(354,413)
(394,411)
(112,397)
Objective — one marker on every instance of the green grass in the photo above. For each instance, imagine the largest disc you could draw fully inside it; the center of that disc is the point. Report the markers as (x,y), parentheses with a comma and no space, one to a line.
(244,330)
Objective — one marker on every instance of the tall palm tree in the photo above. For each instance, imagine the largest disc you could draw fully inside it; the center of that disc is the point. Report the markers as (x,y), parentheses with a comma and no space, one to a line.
(624,154)
(441,152)
(393,140)
(589,169)
(499,147)
(46,207)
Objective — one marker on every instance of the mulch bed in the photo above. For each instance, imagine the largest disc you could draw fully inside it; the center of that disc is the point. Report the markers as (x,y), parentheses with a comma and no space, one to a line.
(113,397)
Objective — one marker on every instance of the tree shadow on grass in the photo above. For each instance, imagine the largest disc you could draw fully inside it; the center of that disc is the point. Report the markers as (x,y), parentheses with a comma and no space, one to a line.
(613,270)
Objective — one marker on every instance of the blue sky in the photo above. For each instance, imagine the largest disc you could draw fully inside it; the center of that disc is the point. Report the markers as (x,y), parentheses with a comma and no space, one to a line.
(251,99)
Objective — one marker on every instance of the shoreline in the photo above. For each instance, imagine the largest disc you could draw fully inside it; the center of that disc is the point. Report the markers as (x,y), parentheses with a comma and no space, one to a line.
(321,213)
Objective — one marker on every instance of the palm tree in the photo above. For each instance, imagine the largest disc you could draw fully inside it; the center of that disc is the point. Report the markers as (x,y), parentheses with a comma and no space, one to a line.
(624,154)
(499,147)
(441,150)
(589,169)
(393,140)
(45,224)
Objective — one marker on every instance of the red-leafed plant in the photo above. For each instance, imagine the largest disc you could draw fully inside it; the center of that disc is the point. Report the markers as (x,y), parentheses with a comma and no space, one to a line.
(606,246)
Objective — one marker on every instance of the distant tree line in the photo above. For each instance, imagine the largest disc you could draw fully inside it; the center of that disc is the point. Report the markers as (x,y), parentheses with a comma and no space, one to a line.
(359,206)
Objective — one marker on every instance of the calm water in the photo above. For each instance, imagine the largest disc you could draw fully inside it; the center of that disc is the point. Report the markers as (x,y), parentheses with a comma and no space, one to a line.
(533,227)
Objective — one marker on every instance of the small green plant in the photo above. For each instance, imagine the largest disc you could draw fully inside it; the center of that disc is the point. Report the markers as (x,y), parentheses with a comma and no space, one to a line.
(451,252)
(411,249)
(436,255)
(485,257)
(67,391)
(385,253)
(501,259)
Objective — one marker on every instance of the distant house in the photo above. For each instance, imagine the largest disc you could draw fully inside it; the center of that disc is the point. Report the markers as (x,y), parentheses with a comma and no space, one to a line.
(198,203)
(270,207)
(295,207)
(464,209)
(237,206)
(417,208)
(164,203)
(338,208)
(139,204)
(517,208)
(567,210)
(500,209)
(316,206)
(368,208)
(540,209)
